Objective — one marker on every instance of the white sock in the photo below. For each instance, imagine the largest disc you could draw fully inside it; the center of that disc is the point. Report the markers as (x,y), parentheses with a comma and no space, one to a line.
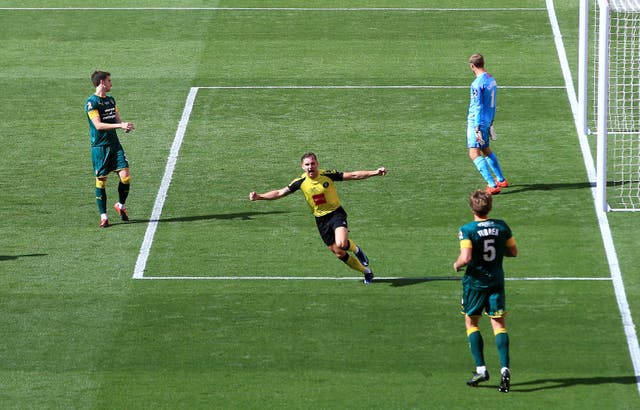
(504,369)
(481,369)
(103,216)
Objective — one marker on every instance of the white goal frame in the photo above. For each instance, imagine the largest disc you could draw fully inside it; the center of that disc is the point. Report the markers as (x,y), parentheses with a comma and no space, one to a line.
(611,117)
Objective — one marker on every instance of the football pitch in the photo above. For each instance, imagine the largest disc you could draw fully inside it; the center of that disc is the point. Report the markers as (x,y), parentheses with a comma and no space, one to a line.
(207,300)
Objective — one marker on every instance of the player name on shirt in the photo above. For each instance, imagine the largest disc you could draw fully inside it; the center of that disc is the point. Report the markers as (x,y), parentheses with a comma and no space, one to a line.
(488,232)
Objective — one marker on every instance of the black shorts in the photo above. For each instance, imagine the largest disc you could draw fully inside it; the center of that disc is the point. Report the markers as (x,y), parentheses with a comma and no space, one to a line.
(328,223)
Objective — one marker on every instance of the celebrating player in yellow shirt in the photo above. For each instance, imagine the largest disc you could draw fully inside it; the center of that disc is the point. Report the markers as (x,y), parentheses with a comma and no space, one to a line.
(319,189)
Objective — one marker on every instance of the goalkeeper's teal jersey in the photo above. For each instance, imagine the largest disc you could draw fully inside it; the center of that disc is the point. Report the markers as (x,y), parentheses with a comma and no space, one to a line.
(482,107)
(106,109)
(488,241)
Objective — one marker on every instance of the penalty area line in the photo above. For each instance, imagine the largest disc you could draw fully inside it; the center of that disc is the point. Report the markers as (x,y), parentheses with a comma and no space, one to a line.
(145,248)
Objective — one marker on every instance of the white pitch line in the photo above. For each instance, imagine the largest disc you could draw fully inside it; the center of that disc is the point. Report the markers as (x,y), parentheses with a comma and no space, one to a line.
(141,263)
(352,87)
(329,278)
(603,221)
(270,9)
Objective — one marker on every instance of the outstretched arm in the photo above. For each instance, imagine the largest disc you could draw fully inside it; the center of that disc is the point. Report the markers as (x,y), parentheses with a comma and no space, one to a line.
(275,194)
(346,176)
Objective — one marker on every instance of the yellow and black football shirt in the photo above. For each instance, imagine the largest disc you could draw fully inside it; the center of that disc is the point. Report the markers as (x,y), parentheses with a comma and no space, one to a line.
(320,192)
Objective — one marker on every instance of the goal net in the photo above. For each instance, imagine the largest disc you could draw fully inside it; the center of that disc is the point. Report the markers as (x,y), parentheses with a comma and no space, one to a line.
(616,102)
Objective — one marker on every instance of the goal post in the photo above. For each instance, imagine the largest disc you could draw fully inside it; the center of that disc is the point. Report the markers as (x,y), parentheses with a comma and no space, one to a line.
(614,112)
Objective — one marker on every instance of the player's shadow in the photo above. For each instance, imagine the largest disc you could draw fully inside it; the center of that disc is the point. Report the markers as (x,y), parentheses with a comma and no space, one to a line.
(512,189)
(546,384)
(515,188)
(14,257)
(400,282)
(243,216)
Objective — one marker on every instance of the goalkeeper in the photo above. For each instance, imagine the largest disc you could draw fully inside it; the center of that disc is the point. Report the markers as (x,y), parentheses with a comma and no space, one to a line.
(482,110)
(319,189)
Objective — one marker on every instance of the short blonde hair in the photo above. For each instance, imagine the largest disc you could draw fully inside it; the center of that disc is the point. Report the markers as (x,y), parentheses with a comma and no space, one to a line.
(477,60)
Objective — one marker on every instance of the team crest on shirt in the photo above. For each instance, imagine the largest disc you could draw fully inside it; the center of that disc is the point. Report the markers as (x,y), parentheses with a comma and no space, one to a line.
(326,184)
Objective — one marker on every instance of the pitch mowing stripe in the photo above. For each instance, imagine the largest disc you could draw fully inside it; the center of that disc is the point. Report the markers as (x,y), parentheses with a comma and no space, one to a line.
(359,278)
(603,221)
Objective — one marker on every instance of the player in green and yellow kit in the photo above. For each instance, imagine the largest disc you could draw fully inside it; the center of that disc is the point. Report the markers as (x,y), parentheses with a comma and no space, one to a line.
(107,154)
(319,189)
(483,245)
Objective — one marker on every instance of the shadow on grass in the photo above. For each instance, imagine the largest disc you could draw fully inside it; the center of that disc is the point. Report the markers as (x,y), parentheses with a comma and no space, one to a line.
(546,384)
(243,216)
(399,282)
(512,189)
(14,257)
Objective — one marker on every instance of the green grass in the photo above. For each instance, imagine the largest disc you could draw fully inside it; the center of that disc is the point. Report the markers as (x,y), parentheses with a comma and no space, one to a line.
(79,332)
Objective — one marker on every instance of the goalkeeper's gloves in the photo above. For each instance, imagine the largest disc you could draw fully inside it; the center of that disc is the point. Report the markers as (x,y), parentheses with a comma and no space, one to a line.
(492,133)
